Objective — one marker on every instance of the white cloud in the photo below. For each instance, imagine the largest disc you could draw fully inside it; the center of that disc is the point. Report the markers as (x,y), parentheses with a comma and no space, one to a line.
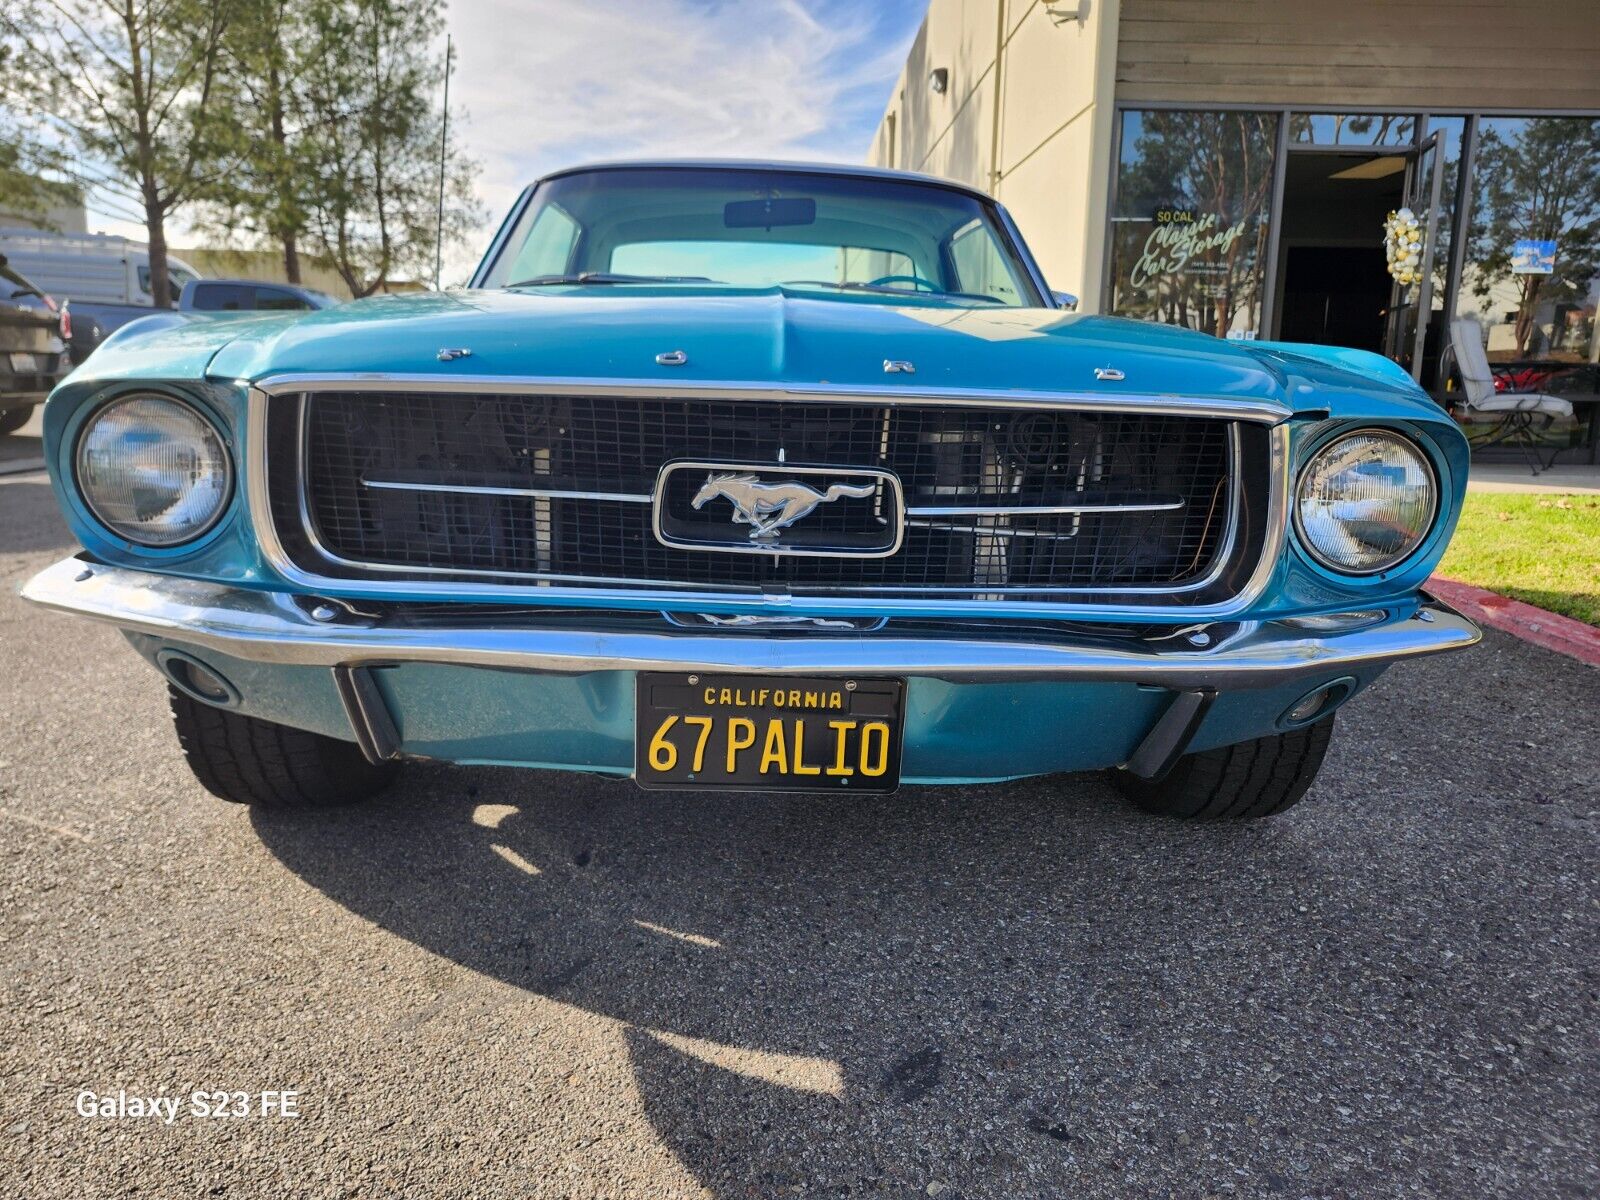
(547,83)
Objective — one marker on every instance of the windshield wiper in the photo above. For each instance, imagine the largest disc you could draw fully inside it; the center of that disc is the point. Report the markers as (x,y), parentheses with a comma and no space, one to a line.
(882,289)
(607,277)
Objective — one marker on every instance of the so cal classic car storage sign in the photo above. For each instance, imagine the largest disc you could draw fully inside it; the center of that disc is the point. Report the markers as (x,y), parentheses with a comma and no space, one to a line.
(1179,238)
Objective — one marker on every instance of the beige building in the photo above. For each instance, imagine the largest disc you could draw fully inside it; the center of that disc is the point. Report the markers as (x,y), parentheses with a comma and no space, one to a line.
(1230,164)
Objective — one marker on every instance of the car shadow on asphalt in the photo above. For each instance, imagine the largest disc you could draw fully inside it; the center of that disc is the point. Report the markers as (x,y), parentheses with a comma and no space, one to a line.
(1009,982)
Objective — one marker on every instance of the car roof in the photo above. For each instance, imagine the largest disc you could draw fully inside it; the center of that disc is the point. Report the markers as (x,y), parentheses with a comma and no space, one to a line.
(273,283)
(756,164)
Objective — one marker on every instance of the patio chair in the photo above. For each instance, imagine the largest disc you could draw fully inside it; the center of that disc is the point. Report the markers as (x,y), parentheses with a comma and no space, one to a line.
(1519,416)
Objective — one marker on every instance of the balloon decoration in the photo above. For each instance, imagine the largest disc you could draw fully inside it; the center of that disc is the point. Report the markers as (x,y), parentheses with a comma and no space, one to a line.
(1402,244)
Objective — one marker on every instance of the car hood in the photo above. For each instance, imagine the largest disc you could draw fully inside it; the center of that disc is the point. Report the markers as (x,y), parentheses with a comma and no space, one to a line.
(728,336)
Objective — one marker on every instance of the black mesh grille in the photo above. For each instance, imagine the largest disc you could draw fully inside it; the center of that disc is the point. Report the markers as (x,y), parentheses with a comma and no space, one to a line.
(943,455)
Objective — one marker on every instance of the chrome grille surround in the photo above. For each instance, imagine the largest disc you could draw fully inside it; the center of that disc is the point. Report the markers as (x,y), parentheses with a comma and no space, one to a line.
(1240,571)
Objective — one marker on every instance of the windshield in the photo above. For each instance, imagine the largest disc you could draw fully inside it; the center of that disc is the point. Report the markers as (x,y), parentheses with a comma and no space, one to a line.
(760,229)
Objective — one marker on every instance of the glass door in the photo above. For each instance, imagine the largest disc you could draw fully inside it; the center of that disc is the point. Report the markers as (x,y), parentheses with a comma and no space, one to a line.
(1411,303)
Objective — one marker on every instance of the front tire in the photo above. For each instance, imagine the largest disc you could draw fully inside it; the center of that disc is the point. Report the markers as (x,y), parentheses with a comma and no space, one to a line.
(1244,781)
(13,419)
(266,765)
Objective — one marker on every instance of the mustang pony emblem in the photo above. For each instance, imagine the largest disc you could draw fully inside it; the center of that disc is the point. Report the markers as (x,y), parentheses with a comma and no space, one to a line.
(769,507)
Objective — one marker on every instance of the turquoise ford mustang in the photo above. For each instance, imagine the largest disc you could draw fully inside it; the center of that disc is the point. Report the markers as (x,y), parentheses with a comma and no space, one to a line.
(752,476)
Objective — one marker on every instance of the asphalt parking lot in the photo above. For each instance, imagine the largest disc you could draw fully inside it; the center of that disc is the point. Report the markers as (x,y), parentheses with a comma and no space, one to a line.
(496,983)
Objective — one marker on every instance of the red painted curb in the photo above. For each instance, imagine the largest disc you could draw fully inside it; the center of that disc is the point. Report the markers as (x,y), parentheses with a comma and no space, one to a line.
(1550,630)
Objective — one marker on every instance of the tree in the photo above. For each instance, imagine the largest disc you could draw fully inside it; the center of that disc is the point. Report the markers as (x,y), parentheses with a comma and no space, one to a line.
(134,84)
(371,140)
(27,188)
(265,50)
(1537,179)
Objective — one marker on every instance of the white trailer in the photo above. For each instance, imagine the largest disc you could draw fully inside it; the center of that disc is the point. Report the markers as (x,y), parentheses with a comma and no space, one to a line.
(90,268)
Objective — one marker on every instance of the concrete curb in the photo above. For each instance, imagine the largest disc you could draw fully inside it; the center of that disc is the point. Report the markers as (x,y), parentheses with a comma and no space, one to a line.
(1550,630)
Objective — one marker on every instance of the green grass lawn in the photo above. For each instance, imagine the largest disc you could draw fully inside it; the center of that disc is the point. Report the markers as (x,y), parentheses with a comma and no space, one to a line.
(1544,550)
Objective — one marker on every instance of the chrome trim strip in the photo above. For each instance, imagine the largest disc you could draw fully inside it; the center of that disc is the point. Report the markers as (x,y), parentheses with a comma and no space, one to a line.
(270,627)
(1032,510)
(653,593)
(1009,531)
(1225,407)
(481,490)
(916,510)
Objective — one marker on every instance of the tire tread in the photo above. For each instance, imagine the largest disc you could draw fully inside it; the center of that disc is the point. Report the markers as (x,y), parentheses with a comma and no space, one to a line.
(1242,781)
(246,760)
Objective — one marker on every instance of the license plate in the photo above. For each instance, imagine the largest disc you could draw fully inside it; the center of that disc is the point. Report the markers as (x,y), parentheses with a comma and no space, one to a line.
(24,364)
(768,733)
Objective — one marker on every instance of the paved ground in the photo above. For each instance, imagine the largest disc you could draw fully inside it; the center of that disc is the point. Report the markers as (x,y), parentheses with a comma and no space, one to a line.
(498,983)
(1503,476)
(22,451)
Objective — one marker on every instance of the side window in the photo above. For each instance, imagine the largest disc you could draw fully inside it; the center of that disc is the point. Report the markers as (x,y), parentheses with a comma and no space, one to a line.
(219,297)
(863,266)
(979,266)
(547,250)
(278,300)
(176,278)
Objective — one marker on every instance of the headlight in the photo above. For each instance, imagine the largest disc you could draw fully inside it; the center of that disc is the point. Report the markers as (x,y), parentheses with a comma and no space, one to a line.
(1365,501)
(153,470)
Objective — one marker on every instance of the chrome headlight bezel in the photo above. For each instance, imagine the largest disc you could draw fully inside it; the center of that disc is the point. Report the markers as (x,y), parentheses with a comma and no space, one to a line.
(1410,445)
(211,443)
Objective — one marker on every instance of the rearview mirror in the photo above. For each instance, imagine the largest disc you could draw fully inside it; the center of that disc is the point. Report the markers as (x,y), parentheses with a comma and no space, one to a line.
(764,214)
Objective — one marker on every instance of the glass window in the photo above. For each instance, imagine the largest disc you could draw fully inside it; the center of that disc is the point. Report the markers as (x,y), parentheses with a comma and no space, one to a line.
(547,246)
(1352,129)
(757,264)
(1189,234)
(219,297)
(979,265)
(276,299)
(1532,271)
(761,227)
(176,278)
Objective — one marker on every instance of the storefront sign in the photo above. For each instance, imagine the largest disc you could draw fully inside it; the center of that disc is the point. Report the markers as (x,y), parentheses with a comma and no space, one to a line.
(1530,256)
(1173,243)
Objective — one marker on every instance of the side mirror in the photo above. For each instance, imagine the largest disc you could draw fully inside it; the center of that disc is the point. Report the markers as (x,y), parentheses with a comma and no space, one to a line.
(1065,300)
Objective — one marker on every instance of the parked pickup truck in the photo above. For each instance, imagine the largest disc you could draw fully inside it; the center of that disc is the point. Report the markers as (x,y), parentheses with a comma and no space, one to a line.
(33,356)
(103,280)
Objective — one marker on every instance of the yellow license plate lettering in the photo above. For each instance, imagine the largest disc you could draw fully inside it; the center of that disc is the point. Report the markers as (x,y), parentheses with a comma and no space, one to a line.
(874,748)
(840,743)
(736,743)
(800,767)
(775,750)
(663,754)
(705,724)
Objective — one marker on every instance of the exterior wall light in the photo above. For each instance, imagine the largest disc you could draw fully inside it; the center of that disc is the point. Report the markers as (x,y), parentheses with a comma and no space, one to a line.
(939,80)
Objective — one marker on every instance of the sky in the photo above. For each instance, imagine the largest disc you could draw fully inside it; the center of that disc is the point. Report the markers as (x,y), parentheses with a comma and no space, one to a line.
(541,84)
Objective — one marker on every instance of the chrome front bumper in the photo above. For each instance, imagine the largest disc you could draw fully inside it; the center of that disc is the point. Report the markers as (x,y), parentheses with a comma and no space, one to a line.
(278,628)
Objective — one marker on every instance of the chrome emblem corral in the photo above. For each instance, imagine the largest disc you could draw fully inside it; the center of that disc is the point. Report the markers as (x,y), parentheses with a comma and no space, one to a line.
(899,366)
(672,358)
(1111,374)
(761,508)
(770,507)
